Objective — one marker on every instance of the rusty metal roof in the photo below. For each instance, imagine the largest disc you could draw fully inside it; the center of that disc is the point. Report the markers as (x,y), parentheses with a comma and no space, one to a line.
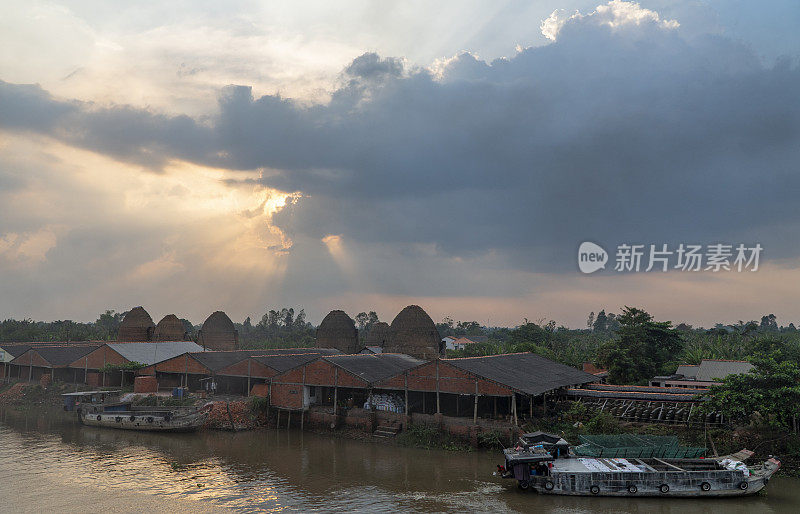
(525,372)
(375,367)
(285,362)
(217,360)
(57,356)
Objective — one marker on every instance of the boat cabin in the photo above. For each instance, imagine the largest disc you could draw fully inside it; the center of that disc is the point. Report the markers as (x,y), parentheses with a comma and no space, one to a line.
(71,400)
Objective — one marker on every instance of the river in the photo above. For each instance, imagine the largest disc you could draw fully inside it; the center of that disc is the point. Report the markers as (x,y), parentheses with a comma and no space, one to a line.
(50,463)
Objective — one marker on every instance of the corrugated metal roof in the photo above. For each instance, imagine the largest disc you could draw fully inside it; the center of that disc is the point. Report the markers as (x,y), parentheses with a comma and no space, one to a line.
(688,370)
(285,362)
(216,361)
(15,350)
(714,370)
(64,355)
(374,367)
(526,372)
(153,352)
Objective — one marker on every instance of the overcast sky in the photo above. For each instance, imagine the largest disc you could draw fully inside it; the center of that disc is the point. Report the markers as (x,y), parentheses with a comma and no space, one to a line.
(196,156)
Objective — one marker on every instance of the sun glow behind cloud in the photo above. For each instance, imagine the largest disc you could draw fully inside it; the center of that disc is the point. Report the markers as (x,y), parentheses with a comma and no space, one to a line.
(184,226)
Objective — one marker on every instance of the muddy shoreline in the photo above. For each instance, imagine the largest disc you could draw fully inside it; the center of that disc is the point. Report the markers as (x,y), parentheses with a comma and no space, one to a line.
(253,414)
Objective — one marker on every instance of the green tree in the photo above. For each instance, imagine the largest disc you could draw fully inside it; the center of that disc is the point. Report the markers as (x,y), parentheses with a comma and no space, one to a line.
(529,333)
(601,322)
(771,388)
(364,321)
(642,348)
(107,325)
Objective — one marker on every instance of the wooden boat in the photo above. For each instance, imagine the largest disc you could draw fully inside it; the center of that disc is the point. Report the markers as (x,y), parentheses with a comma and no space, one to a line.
(546,468)
(125,416)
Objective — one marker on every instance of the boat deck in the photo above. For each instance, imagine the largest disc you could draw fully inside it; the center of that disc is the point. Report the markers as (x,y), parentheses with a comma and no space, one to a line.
(599,464)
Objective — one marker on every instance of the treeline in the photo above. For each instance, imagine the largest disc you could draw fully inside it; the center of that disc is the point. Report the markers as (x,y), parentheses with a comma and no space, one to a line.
(630,344)
(277,329)
(103,329)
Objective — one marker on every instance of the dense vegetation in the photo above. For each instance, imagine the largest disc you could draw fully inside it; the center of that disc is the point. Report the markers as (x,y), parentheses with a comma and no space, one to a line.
(769,394)
(631,345)
(277,329)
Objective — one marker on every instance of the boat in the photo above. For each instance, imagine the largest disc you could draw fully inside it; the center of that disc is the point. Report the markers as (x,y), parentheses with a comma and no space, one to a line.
(103,409)
(545,463)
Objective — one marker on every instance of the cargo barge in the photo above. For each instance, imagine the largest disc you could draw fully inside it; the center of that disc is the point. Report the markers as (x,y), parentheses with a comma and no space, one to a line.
(99,409)
(547,465)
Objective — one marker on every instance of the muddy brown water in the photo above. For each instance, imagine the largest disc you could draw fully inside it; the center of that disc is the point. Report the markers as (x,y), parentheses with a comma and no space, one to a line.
(50,463)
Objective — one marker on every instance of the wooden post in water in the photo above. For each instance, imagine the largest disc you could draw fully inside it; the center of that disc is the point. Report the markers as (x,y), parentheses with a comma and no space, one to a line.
(289,419)
(438,405)
(335,391)
(406,387)
(475,410)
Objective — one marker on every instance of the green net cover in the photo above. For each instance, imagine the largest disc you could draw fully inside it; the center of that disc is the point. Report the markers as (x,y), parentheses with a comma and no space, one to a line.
(635,446)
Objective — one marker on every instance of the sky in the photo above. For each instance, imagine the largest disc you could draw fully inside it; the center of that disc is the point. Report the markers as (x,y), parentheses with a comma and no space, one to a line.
(196,156)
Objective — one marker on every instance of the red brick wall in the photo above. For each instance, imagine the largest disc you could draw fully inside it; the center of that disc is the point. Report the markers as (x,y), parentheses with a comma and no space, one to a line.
(397,382)
(454,380)
(451,380)
(319,373)
(261,371)
(288,396)
(93,379)
(257,369)
(238,369)
(294,376)
(31,357)
(145,384)
(179,365)
(260,390)
(99,357)
(423,378)
(348,380)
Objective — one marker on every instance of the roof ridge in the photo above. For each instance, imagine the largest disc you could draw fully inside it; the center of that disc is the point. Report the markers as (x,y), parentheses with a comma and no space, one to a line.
(724,360)
(493,355)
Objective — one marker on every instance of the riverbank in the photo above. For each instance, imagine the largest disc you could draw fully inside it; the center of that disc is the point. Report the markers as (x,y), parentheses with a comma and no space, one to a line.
(568,420)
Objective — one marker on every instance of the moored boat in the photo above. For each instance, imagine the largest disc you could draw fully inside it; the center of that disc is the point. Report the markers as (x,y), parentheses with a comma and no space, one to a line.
(125,416)
(545,467)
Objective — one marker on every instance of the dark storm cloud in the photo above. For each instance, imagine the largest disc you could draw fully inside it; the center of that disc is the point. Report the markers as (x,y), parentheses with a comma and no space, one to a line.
(133,135)
(625,133)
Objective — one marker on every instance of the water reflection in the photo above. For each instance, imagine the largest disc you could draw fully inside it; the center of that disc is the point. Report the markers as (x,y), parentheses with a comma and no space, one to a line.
(279,470)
